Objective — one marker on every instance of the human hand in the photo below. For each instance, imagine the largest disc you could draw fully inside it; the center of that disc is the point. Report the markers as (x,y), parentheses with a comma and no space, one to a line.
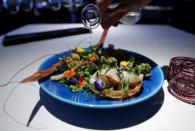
(111,16)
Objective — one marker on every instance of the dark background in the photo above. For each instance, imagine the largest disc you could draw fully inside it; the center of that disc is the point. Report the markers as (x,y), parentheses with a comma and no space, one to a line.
(177,13)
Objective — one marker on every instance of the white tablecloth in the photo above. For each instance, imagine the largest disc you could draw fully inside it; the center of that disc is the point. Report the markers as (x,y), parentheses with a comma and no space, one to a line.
(25,104)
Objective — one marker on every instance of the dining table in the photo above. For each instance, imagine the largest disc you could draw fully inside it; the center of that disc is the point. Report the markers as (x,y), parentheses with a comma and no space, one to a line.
(26,107)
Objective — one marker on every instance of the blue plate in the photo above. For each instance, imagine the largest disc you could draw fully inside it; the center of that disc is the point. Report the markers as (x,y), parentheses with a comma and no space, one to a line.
(85,99)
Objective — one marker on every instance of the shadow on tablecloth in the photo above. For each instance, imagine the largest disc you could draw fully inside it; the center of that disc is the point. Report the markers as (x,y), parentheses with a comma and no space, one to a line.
(102,119)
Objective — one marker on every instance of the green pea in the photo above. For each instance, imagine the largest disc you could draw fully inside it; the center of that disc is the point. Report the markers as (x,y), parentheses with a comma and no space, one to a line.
(87,73)
(80,73)
(87,78)
(72,87)
(89,55)
(85,56)
(111,89)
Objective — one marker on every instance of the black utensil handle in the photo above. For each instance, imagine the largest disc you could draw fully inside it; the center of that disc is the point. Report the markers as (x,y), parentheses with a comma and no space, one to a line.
(24,38)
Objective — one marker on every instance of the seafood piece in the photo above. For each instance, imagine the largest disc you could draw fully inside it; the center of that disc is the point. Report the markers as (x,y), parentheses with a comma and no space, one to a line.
(72,62)
(57,77)
(111,79)
(74,57)
(42,74)
(68,73)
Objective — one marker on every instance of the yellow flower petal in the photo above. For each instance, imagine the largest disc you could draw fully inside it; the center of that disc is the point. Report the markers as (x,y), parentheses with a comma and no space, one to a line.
(124,63)
(80,50)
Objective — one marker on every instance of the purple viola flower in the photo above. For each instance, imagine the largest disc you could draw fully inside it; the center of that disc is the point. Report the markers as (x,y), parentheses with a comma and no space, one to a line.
(99,85)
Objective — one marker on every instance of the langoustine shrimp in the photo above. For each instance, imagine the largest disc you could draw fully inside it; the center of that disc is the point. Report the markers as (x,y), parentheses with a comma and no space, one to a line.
(44,73)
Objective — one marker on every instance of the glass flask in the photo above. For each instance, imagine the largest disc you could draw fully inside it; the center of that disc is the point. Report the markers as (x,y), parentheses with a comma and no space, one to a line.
(91,16)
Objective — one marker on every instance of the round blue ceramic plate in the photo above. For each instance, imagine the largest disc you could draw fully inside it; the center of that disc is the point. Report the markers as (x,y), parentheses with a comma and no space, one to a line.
(86,99)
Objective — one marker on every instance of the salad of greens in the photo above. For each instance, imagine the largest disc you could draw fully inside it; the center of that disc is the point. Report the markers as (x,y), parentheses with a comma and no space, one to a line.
(107,72)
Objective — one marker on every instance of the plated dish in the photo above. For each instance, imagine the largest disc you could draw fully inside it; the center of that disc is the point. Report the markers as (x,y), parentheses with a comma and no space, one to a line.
(106,78)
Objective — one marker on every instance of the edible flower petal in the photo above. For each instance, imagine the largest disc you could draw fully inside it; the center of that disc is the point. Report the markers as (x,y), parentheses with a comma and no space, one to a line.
(81,82)
(69,74)
(80,50)
(99,85)
(93,57)
(124,63)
